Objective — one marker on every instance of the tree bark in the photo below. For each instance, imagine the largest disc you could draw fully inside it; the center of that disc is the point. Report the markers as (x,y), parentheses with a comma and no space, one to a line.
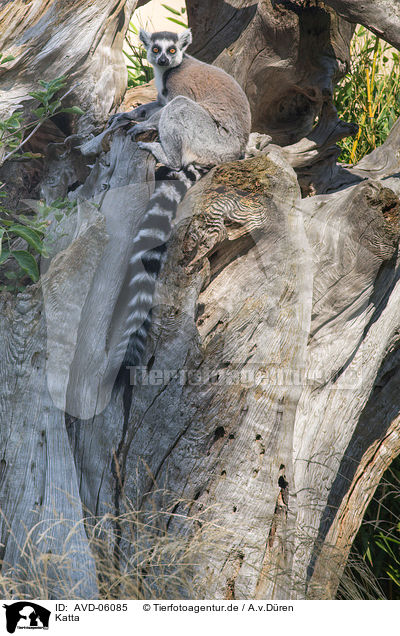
(267,407)
(286,56)
(382,16)
(79,39)
(40,500)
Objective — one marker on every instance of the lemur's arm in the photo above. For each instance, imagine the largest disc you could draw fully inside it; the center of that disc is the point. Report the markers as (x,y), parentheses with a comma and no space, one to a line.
(141,113)
(150,111)
(150,123)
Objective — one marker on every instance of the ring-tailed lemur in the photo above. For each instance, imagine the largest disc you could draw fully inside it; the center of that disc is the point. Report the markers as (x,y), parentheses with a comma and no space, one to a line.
(202,117)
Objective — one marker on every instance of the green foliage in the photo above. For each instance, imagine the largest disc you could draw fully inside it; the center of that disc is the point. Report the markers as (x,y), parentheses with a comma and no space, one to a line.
(33,230)
(369,94)
(32,233)
(48,105)
(177,13)
(58,209)
(378,540)
(13,129)
(391,547)
(139,72)
(11,132)
(7,58)
(18,260)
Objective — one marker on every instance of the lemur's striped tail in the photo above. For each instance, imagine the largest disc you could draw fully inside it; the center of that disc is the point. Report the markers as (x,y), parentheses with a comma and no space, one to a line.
(148,250)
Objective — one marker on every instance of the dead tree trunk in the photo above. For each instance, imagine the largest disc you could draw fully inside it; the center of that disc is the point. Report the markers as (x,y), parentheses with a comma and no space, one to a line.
(267,407)
(382,17)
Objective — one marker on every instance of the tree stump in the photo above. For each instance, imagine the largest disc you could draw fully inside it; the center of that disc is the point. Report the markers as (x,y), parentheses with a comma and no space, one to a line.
(266,409)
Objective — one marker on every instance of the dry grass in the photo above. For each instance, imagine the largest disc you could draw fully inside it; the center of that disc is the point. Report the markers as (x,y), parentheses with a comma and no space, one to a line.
(137,555)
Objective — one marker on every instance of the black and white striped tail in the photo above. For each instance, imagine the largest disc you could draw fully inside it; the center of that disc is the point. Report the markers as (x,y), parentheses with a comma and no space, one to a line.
(148,250)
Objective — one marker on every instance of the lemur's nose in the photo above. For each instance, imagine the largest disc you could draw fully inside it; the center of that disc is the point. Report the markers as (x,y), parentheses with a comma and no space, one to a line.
(162,60)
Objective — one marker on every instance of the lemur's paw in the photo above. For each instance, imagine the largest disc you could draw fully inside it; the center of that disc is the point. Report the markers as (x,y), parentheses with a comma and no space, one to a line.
(136,130)
(139,113)
(120,119)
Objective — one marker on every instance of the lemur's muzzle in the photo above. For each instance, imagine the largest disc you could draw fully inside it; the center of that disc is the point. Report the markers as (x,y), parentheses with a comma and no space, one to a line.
(163,60)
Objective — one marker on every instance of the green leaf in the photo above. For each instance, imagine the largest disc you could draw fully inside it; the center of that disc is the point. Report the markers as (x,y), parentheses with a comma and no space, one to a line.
(41,96)
(395,576)
(54,107)
(166,6)
(73,109)
(31,236)
(31,155)
(368,555)
(40,112)
(8,58)
(178,22)
(27,263)
(2,230)
(5,254)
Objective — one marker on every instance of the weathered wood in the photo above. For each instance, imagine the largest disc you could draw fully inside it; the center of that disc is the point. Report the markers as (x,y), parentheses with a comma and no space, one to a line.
(52,339)
(40,500)
(354,325)
(285,55)
(80,39)
(267,407)
(381,16)
(40,486)
(215,430)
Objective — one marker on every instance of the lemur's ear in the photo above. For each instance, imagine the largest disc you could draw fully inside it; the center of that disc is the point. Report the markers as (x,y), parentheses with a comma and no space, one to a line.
(145,37)
(184,39)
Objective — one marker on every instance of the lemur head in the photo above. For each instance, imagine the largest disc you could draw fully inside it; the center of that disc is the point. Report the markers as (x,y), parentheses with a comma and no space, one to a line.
(164,48)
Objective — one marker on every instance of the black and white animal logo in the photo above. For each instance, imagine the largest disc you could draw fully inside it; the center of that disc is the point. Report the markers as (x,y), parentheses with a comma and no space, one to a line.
(26,615)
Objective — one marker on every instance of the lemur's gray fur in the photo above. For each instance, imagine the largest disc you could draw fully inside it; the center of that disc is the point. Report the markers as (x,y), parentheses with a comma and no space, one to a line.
(202,117)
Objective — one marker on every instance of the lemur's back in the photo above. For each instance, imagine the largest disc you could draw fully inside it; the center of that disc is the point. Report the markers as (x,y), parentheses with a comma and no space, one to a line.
(202,118)
(216,91)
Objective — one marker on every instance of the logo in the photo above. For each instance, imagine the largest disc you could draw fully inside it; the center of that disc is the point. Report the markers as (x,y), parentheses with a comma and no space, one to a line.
(26,615)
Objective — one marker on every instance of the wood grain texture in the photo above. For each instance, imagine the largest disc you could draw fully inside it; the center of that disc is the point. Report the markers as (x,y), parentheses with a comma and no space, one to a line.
(79,39)
(382,16)
(310,327)
(285,55)
(40,501)
(267,407)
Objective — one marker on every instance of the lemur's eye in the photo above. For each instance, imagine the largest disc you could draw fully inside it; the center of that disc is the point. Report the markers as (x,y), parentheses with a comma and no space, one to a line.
(172,50)
(156,49)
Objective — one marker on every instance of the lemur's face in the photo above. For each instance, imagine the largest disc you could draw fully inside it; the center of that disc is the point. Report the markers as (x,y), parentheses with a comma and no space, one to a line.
(164,53)
(165,49)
